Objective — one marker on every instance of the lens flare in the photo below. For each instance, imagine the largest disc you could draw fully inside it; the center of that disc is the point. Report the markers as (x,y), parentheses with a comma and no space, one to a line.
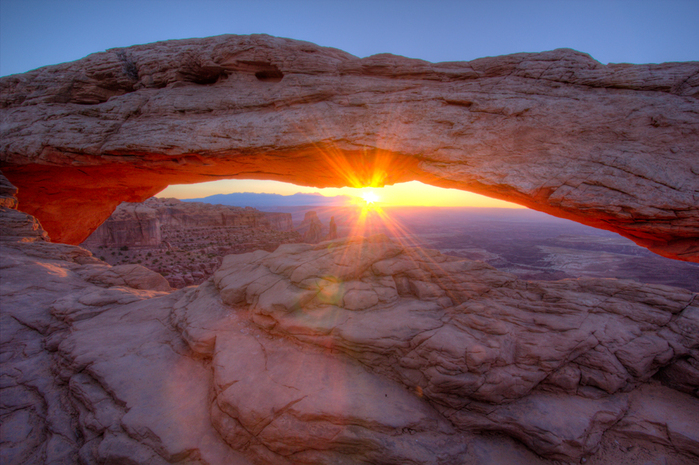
(370,197)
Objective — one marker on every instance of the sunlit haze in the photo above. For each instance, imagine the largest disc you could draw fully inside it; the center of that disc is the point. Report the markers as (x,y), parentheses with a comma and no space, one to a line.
(371,197)
(413,193)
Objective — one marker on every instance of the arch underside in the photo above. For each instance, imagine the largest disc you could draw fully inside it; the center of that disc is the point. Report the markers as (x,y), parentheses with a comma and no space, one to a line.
(612,146)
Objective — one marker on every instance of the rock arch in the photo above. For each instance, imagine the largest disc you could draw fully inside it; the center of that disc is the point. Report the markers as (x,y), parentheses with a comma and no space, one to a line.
(615,146)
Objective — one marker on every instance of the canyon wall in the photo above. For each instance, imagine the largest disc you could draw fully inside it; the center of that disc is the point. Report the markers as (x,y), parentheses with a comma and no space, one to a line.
(146,224)
(612,146)
(186,241)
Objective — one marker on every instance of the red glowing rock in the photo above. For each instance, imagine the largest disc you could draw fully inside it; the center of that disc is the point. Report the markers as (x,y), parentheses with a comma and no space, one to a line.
(612,146)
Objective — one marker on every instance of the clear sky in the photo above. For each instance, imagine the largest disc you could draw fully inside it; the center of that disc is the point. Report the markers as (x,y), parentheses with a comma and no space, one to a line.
(35,33)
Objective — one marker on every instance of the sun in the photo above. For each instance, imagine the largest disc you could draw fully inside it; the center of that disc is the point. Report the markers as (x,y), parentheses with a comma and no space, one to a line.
(370,197)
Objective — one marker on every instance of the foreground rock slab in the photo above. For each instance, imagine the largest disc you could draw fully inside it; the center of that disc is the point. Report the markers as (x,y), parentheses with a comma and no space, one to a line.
(359,351)
(612,146)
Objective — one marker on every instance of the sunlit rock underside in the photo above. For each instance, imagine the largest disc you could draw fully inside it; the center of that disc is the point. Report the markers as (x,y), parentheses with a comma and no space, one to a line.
(610,146)
(356,351)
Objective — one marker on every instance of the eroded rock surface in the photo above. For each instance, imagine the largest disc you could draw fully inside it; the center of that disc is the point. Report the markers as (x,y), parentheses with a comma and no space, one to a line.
(470,338)
(186,241)
(149,223)
(358,351)
(612,146)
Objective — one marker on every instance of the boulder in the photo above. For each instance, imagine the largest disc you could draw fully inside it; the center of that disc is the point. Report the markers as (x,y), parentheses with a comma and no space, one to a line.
(462,331)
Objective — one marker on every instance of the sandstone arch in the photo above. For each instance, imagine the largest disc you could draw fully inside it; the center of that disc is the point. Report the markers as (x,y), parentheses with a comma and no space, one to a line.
(612,146)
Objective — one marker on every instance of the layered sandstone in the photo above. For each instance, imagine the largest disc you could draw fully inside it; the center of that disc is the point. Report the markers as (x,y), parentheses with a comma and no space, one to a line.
(16,225)
(186,241)
(613,146)
(351,351)
(149,223)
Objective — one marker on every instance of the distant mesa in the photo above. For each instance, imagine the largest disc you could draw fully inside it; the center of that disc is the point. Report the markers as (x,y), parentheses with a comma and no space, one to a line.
(186,241)
(332,229)
(260,200)
(154,221)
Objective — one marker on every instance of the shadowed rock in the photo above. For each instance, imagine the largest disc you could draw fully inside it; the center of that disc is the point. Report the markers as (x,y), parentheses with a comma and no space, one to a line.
(612,146)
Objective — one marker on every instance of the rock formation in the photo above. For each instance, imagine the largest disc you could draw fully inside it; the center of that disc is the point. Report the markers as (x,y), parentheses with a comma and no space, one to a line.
(148,223)
(352,351)
(311,228)
(612,146)
(8,193)
(332,229)
(186,241)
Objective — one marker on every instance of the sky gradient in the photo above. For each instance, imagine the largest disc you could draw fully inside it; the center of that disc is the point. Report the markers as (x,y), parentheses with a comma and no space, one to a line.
(36,33)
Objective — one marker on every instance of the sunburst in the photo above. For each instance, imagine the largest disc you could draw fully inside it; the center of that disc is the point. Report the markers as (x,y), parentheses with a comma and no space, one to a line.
(370,197)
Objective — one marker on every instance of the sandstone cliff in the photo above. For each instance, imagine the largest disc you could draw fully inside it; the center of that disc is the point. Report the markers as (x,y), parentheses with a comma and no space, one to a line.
(186,241)
(612,146)
(352,351)
(147,224)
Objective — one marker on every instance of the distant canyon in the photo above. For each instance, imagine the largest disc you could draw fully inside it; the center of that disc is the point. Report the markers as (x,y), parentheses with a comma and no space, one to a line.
(186,241)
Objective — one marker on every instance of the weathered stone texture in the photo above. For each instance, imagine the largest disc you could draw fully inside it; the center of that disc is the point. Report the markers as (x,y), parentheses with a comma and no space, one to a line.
(613,146)
(345,352)
(147,224)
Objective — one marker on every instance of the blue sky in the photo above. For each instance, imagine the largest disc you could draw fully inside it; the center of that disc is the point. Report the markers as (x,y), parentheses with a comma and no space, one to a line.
(35,33)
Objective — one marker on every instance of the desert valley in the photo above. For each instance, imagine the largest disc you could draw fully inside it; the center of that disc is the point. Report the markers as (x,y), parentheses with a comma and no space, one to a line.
(188,240)
(141,330)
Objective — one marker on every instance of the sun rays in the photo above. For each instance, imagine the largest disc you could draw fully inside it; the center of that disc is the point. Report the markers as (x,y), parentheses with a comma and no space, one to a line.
(368,170)
(370,197)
